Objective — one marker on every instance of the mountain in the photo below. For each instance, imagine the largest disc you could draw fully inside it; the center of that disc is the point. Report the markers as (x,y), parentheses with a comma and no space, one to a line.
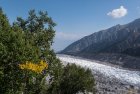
(120,40)
(117,39)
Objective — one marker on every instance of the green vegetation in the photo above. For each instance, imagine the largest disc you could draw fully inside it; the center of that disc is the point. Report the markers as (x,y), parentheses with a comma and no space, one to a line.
(76,79)
(29,41)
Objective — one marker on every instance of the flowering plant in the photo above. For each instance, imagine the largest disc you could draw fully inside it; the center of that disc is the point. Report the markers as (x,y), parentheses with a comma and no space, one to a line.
(37,68)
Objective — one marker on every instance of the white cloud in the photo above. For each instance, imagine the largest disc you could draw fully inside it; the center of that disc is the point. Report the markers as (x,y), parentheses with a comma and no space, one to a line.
(68,36)
(118,13)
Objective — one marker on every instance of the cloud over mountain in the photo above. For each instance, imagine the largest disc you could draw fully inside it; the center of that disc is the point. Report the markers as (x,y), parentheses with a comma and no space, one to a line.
(118,13)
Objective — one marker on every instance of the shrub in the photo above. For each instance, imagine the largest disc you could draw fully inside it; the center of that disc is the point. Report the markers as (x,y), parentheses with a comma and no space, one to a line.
(76,79)
(27,40)
(22,46)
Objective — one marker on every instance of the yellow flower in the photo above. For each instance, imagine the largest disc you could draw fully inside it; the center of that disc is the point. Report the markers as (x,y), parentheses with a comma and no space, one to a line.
(38,68)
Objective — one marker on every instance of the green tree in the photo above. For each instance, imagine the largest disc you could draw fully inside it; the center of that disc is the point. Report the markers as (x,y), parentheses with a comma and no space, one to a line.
(4,23)
(27,40)
(76,79)
(30,39)
(40,32)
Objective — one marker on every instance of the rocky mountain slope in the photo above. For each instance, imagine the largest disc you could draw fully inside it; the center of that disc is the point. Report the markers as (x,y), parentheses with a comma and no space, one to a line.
(118,40)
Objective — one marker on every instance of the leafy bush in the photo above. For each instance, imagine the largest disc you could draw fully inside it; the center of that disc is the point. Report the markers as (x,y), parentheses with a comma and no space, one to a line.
(26,58)
(76,79)
(27,40)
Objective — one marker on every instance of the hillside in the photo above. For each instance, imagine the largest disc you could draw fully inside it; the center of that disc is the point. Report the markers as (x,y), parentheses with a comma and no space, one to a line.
(116,43)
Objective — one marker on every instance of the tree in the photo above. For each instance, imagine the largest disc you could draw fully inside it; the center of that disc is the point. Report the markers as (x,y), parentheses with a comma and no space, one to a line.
(76,79)
(26,58)
(27,40)
(39,31)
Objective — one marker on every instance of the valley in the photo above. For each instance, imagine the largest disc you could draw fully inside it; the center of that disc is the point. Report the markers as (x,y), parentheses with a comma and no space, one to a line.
(113,80)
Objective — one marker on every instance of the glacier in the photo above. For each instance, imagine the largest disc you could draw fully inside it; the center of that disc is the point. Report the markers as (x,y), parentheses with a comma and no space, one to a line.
(129,76)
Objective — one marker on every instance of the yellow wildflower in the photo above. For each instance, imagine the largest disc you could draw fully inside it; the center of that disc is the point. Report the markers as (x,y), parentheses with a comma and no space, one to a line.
(38,68)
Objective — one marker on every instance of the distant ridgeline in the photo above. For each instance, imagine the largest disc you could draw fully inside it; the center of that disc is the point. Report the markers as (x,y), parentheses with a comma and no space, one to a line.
(120,42)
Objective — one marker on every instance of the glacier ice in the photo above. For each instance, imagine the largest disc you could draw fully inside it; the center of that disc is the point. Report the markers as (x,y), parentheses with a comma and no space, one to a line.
(132,77)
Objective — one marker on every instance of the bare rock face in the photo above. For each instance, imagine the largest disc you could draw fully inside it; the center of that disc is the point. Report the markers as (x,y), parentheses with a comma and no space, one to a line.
(119,39)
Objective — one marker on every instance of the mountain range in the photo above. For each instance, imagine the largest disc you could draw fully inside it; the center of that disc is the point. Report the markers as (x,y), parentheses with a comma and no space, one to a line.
(120,43)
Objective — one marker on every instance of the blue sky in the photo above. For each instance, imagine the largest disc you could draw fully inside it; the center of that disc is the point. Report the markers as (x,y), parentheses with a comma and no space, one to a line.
(76,18)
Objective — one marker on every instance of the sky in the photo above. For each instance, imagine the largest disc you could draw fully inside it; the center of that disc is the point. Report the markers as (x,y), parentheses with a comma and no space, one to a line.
(76,18)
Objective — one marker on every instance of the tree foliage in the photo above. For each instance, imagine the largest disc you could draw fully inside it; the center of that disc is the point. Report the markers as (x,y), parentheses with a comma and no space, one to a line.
(76,79)
(22,46)
(26,40)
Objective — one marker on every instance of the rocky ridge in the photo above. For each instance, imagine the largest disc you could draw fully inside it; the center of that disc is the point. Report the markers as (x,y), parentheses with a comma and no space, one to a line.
(118,45)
